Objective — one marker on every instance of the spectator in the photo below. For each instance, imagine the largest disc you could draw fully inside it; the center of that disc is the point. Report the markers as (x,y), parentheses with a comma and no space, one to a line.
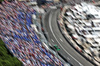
(20,37)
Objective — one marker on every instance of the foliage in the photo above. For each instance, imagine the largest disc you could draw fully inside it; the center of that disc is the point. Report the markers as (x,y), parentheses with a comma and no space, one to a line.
(1,0)
(5,57)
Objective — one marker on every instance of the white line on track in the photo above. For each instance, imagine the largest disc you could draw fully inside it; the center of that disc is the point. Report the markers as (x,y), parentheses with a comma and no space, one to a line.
(59,42)
(68,58)
(61,39)
(52,40)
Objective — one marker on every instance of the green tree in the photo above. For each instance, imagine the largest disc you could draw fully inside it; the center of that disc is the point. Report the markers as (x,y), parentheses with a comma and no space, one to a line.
(6,59)
(1,0)
(17,62)
(6,63)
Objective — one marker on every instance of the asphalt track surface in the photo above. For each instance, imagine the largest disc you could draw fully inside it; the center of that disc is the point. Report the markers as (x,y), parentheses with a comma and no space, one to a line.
(55,37)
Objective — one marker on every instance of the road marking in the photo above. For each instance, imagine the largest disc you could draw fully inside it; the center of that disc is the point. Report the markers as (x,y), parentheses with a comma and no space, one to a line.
(68,58)
(52,40)
(59,42)
(61,39)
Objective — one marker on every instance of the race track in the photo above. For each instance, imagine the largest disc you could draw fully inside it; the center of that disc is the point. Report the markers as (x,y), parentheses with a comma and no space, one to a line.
(55,37)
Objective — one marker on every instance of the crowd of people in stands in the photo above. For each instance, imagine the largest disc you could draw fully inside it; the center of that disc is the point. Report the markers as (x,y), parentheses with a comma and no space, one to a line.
(20,37)
(28,0)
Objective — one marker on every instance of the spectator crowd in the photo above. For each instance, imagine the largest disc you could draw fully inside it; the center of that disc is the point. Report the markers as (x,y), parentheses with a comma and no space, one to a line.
(28,0)
(20,37)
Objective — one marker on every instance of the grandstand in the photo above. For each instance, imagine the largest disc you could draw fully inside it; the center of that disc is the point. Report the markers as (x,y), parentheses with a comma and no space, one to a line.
(20,38)
(83,25)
